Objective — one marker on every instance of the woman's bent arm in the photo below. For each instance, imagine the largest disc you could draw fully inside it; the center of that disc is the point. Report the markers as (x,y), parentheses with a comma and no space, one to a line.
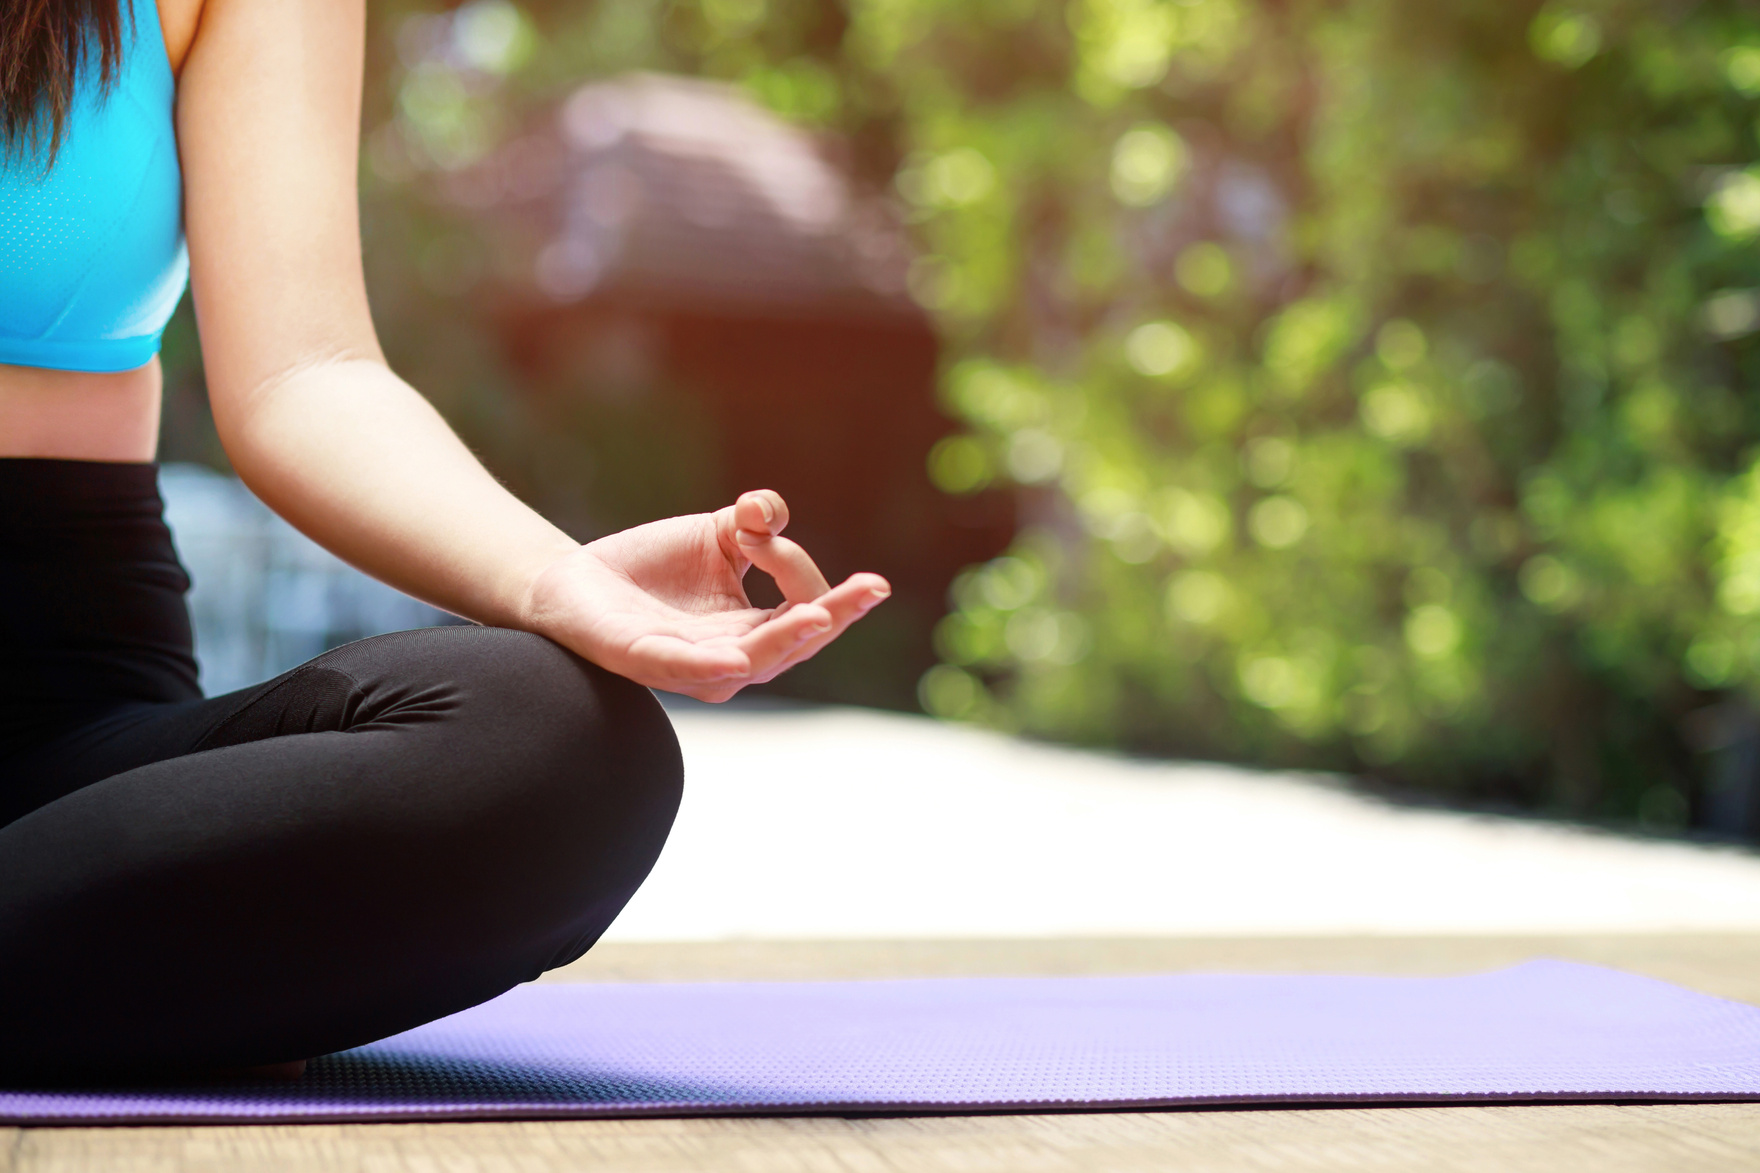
(316,423)
(311,417)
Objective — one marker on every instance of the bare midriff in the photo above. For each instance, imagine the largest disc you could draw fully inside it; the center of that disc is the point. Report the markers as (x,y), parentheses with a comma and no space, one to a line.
(79,415)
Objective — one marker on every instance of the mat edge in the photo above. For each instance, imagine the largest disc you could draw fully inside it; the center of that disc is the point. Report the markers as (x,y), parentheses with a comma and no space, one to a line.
(871,1108)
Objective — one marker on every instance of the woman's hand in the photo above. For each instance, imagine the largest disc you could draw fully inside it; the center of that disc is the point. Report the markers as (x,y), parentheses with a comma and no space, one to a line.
(663,603)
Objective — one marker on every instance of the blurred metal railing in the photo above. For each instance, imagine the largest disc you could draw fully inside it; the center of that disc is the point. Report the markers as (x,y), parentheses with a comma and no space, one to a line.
(265,597)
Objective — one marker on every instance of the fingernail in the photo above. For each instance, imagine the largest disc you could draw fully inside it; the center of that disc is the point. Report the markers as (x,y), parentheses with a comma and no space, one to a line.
(747,537)
(881,592)
(768,510)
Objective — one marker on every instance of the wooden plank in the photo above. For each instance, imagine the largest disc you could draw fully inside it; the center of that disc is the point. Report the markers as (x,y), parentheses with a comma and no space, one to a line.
(1540,1139)
(1504,1139)
(1727,965)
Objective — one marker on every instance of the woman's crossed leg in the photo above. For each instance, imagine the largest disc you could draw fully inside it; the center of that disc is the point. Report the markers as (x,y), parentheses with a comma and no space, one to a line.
(399,829)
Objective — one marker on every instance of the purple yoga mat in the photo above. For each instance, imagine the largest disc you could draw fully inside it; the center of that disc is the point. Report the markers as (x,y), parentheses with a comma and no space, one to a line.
(1541,1031)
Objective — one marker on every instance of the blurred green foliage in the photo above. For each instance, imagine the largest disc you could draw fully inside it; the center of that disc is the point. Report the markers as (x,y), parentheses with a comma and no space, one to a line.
(1373,376)
(1383,367)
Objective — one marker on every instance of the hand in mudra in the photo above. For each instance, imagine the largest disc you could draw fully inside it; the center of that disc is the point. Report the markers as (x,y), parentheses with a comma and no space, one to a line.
(663,603)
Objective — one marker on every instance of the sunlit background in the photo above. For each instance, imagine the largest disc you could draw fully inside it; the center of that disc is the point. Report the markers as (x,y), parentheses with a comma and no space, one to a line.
(1357,385)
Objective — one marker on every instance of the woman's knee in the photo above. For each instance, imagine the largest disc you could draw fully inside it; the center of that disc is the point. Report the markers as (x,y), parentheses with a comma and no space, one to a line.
(561,716)
(593,781)
(599,746)
(561,772)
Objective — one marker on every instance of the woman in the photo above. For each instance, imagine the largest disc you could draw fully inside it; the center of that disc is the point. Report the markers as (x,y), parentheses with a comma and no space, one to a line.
(402,827)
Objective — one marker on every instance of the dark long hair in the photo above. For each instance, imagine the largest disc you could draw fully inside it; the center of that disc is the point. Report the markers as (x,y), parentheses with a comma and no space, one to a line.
(45,46)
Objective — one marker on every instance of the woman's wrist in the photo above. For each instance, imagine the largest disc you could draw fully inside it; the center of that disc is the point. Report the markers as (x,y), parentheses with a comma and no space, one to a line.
(536,609)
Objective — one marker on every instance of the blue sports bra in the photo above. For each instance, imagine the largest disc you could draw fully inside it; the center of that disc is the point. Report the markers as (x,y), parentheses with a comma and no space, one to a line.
(92,257)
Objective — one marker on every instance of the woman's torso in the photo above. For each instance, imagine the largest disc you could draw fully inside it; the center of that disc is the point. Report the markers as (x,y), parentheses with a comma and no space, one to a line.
(85,415)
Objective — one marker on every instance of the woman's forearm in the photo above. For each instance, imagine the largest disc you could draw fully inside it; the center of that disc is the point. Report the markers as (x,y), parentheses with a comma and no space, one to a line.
(353,457)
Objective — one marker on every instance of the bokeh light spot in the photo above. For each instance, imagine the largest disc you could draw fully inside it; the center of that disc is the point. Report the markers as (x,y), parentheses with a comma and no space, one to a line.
(1397,412)
(1741,65)
(960,464)
(1147,162)
(1565,37)
(1278,522)
(1160,349)
(1432,631)
(948,692)
(1197,597)
(1549,583)
(1205,269)
(1401,344)
(1733,211)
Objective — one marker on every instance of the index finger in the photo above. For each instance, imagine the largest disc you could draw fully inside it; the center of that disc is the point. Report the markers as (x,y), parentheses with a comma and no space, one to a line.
(792,567)
(756,520)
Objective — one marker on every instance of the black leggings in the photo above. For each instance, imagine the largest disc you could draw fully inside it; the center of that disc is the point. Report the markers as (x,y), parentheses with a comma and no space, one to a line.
(399,829)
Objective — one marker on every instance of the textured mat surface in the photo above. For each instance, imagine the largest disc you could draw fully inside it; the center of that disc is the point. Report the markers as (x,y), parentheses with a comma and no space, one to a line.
(1543,1030)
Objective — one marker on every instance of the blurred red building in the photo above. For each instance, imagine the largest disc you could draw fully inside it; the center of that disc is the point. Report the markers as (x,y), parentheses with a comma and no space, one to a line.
(668,232)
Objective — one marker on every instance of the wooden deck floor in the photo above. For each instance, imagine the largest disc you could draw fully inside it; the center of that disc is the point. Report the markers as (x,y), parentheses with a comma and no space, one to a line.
(1505,1139)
